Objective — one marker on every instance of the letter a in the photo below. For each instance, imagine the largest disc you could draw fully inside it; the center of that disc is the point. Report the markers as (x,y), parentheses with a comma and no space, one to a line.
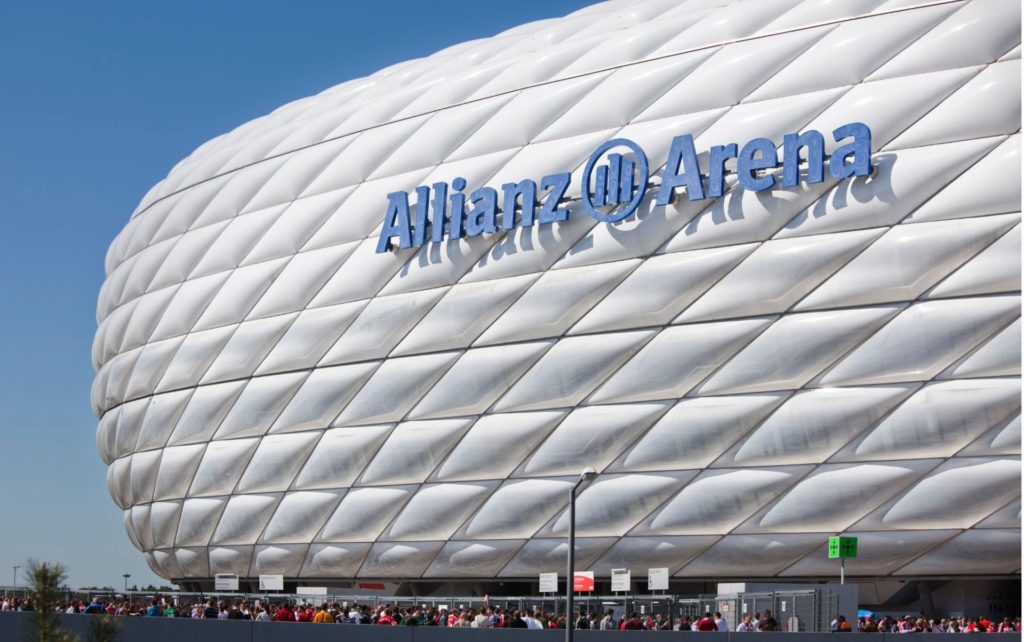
(396,223)
(860,149)
(682,153)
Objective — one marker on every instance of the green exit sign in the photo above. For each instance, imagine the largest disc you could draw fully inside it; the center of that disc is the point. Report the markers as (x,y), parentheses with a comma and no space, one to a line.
(842,547)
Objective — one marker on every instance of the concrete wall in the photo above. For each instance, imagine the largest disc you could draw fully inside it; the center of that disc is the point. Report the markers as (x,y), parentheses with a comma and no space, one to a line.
(17,627)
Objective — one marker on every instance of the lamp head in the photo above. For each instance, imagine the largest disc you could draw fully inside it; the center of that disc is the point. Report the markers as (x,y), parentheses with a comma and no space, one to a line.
(588,474)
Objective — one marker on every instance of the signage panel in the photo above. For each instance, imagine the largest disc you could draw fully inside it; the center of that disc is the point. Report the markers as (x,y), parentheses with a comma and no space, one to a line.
(549,582)
(657,579)
(620,579)
(842,547)
(583,581)
(271,582)
(225,582)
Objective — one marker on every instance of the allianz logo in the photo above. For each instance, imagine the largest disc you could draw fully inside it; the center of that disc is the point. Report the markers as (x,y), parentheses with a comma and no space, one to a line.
(615,180)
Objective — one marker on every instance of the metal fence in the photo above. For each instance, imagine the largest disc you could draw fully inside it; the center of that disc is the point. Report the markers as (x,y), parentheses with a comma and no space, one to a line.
(806,611)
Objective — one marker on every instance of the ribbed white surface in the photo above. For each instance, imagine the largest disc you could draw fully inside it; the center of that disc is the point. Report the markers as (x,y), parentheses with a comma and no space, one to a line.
(749,374)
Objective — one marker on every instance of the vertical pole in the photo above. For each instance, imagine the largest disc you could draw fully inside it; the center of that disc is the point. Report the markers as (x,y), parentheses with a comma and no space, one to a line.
(842,570)
(572,562)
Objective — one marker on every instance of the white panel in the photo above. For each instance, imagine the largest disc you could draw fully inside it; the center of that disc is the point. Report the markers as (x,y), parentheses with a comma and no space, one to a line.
(923,340)
(413,450)
(162,414)
(364,512)
(322,396)
(999,356)
(241,234)
(939,420)
(660,288)
(166,564)
(749,555)
(977,487)
(1004,439)
(858,488)
(198,520)
(437,510)
(105,433)
(878,553)
(978,33)
(309,337)
(518,508)
(641,553)
(381,325)
(970,553)
(146,314)
(193,561)
(735,71)
(300,280)
(902,180)
(247,347)
(1006,517)
(239,293)
(998,172)
(362,275)
(472,559)
(395,387)
(300,515)
(144,469)
(906,261)
(478,378)
(177,466)
(996,269)
(813,425)
(340,456)
(613,504)
(777,275)
(696,431)
(231,560)
(406,559)
(277,461)
(192,359)
(985,106)
(497,444)
(570,370)
(719,500)
(244,518)
(297,223)
(278,560)
(851,51)
(221,466)
(796,348)
(591,437)
(334,560)
(259,405)
(555,302)
(677,359)
(140,524)
(128,422)
(204,412)
(459,317)
(549,555)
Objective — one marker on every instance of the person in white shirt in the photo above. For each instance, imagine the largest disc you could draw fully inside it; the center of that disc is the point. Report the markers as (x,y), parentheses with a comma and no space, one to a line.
(720,622)
(745,626)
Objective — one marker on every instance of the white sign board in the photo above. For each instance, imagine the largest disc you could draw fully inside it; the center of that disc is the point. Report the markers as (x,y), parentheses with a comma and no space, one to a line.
(225,582)
(549,582)
(271,582)
(620,579)
(311,590)
(657,579)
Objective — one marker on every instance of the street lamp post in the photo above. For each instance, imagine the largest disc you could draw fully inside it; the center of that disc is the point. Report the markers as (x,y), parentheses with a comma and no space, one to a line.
(587,475)
(15,584)
(126,576)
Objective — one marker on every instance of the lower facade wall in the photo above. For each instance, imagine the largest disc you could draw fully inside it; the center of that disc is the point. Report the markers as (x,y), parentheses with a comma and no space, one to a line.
(15,627)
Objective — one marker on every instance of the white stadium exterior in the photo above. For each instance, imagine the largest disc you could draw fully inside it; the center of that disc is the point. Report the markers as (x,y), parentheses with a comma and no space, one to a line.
(832,352)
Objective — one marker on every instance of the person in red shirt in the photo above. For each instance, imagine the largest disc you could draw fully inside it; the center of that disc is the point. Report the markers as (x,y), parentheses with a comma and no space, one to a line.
(284,614)
(304,614)
(385,619)
(707,623)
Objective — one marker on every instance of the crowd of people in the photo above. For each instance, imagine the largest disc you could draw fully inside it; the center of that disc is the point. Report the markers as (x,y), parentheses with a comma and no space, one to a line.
(495,617)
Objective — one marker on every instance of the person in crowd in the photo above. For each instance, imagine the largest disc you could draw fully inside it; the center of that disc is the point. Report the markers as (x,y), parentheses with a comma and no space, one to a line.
(841,625)
(768,622)
(154,609)
(283,613)
(707,623)
(721,623)
(745,626)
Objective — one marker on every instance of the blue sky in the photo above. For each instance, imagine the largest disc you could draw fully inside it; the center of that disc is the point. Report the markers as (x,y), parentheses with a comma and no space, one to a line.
(97,103)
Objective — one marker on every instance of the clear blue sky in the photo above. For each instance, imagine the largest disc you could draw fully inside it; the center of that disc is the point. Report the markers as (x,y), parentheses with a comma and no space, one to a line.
(97,103)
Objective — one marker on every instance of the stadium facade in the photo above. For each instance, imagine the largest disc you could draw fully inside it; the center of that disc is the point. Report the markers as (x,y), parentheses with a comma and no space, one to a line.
(758,263)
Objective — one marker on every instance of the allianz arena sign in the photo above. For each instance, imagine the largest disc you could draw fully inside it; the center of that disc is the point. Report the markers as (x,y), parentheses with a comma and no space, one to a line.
(618,186)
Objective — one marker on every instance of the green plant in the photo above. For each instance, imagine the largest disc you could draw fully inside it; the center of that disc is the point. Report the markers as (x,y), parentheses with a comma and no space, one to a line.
(104,628)
(45,579)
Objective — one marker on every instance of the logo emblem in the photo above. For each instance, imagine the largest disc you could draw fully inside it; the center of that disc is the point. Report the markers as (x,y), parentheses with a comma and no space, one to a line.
(619,186)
